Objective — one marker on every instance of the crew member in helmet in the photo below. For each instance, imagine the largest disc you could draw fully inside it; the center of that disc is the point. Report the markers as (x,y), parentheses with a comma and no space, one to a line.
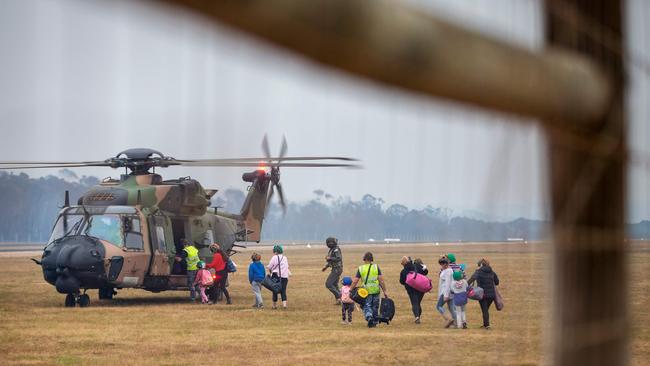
(334,260)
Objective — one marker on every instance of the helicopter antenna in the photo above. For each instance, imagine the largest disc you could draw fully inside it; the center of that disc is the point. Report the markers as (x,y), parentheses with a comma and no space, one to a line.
(66,201)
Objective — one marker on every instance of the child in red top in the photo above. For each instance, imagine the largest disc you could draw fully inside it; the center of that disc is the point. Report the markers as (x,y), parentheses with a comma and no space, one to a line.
(204,280)
(347,304)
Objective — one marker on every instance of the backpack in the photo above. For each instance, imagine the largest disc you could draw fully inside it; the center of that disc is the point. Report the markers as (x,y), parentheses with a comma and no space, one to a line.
(386,310)
(206,278)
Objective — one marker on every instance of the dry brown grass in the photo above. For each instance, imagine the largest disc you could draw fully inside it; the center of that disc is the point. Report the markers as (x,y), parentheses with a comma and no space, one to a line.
(164,329)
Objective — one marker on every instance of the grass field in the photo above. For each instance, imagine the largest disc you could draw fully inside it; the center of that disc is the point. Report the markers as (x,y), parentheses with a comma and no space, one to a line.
(141,328)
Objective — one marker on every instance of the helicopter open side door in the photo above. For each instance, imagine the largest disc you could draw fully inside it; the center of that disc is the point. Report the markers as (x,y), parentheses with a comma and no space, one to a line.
(161,236)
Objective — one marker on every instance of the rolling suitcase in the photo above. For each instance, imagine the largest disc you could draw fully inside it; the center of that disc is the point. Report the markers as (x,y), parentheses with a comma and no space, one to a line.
(386,310)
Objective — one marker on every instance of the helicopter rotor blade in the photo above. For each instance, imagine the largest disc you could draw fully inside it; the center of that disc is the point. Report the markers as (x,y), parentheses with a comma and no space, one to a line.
(265,147)
(283,149)
(268,199)
(267,164)
(51,166)
(255,160)
(282,202)
(50,162)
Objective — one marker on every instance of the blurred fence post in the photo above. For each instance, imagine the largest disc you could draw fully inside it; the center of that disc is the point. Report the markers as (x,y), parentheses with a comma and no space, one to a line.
(390,43)
(588,193)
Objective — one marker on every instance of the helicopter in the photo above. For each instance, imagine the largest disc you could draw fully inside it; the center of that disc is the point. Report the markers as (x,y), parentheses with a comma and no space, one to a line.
(125,233)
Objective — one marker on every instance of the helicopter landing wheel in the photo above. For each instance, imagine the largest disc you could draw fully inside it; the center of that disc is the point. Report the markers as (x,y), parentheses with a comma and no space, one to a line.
(84,300)
(70,301)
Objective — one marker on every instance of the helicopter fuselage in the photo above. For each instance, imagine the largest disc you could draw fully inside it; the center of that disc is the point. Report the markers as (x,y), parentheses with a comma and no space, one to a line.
(127,234)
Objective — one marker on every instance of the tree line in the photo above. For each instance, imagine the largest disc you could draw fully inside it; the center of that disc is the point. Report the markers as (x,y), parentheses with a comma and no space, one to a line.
(29,208)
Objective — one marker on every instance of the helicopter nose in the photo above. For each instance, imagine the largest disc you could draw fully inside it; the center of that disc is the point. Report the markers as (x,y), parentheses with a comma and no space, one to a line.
(74,262)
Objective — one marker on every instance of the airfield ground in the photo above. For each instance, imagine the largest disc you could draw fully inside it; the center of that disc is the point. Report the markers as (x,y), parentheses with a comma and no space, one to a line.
(141,328)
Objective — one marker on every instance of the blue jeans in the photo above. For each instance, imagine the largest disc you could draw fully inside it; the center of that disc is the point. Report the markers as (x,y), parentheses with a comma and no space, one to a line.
(257,290)
(191,275)
(371,307)
(450,305)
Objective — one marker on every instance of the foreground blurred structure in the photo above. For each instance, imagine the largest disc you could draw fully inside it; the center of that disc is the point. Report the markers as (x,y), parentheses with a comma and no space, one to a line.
(575,87)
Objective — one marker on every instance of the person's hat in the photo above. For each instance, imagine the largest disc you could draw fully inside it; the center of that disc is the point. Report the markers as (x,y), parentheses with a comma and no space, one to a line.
(458,275)
(201,264)
(451,257)
(185,242)
(277,248)
(347,281)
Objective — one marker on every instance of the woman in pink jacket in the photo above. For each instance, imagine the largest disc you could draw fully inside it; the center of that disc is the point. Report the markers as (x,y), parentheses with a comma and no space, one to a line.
(279,267)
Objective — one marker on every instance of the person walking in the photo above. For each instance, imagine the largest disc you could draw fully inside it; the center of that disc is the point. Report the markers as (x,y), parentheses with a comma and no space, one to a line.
(256,274)
(369,274)
(444,292)
(487,279)
(192,260)
(347,304)
(334,260)
(459,293)
(203,280)
(279,267)
(218,264)
(415,296)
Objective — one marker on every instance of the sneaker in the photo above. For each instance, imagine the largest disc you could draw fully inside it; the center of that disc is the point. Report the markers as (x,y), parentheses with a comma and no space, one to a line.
(349,322)
(274,307)
(261,306)
(464,325)
(371,323)
(338,302)
(417,320)
(449,323)
(488,328)
(344,322)
(228,302)
(255,306)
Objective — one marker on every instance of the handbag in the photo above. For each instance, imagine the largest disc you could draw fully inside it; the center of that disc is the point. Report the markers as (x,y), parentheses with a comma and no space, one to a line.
(475,293)
(274,283)
(230,266)
(419,282)
(498,300)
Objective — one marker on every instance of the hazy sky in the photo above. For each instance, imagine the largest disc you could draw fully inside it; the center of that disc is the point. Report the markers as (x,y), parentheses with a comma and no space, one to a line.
(87,79)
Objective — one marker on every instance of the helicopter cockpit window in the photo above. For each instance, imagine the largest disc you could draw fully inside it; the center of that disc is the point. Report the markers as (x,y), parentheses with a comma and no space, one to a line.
(160,237)
(132,233)
(106,227)
(65,225)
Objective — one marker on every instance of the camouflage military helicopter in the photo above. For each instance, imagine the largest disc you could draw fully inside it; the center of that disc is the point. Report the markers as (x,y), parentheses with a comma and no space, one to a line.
(125,233)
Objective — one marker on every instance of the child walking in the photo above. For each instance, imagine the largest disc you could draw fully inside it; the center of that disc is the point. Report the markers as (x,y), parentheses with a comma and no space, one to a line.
(256,274)
(347,304)
(204,280)
(459,290)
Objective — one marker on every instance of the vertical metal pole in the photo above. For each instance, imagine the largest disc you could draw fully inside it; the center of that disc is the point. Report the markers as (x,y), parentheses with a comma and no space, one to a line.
(588,202)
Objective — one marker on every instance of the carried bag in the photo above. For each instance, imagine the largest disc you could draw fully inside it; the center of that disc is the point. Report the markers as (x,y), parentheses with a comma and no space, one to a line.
(498,300)
(274,283)
(419,282)
(231,266)
(475,293)
(206,278)
(359,295)
(386,310)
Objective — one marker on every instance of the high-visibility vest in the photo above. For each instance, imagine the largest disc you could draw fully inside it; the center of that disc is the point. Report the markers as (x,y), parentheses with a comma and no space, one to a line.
(192,258)
(372,284)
